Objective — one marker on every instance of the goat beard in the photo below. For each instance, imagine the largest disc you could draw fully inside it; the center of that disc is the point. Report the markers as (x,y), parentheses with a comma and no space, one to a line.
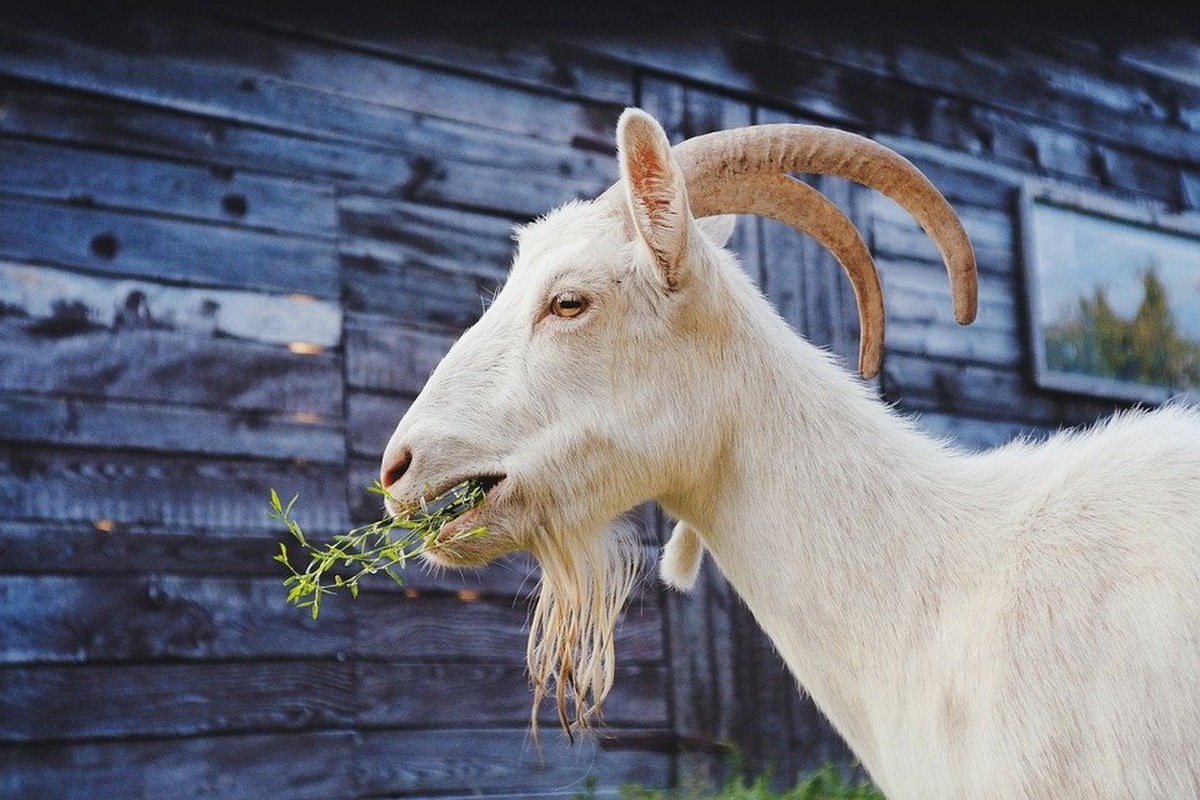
(572,649)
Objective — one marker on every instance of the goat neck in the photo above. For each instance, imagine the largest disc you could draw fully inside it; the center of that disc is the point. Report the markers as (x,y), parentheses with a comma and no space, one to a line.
(843,589)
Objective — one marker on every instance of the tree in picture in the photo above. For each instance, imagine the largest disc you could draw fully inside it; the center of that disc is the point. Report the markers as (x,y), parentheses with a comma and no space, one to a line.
(1148,348)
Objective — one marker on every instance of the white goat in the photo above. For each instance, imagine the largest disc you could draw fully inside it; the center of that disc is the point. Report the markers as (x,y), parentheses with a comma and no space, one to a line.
(1023,623)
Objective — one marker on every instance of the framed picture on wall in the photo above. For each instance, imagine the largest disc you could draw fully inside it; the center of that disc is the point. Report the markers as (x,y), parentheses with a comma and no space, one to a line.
(1113,292)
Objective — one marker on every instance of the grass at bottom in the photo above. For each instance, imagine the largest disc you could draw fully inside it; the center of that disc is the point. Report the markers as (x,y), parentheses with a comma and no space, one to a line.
(827,783)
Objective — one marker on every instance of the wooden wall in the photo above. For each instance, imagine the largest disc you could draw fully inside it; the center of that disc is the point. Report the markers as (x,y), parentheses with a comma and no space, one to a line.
(235,238)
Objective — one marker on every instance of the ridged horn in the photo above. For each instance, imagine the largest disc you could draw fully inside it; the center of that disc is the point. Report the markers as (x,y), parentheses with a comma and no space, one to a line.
(787,200)
(715,158)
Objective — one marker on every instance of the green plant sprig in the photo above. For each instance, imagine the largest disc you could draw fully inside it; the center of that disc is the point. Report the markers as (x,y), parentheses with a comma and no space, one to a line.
(381,546)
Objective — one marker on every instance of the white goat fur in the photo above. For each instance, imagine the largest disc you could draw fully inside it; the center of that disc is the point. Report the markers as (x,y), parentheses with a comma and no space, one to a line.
(1021,623)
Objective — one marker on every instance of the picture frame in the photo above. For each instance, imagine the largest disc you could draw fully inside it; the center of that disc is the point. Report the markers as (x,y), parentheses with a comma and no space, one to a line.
(1112,291)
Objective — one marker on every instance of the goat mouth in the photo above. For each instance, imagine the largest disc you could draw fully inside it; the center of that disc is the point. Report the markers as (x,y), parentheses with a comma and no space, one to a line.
(460,502)
(459,497)
(449,500)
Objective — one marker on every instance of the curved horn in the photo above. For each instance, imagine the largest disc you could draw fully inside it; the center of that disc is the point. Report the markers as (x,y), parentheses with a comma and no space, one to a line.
(715,158)
(787,200)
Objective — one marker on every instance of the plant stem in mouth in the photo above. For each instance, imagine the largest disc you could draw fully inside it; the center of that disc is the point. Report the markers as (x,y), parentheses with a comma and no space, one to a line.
(381,546)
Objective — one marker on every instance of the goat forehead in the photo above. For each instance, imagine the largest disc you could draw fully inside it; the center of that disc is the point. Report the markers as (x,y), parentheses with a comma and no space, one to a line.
(577,232)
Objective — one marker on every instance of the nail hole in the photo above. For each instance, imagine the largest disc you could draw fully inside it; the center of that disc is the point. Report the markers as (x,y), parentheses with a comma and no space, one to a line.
(104,245)
(234,205)
(135,300)
(246,84)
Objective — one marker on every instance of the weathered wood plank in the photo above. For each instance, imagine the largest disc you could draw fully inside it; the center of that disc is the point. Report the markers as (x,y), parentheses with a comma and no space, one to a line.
(924,289)
(81,422)
(404,695)
(440,628)
(919,384)
(706,55)
(1034,58)
(789,262)
(115,243)
(91,178)
(949,343)
(920,319)
(55,304)
(52,619)
(801,278)
(1189,190)
(1002,142)
(55,703)
(1178,60)
(450,239)
(370,420)
(1019,150)
(423,264)
(532,185)
(66,484)
(973,178)
(166,367)
(807,283)
(830,310)
(305,766)
(361,473)
(1097,101)
(1060,154)
(426,159)
(830,93)
(896,234)
(686,111)
(698,624)
(1125,153)
(476,43)
(77,548)
(382,355)
(499,760)
(303,84)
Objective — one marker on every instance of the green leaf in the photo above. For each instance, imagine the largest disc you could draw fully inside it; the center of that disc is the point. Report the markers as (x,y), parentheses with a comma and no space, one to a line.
(365,550)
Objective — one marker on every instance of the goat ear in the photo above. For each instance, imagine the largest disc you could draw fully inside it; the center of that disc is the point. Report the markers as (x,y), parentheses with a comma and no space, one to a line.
(655,190)
(718,229)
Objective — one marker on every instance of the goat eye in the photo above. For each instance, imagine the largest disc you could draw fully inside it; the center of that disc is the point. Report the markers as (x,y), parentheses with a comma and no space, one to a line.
(568,304)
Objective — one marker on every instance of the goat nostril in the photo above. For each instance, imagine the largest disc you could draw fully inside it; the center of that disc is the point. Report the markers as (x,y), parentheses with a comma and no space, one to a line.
(396,471)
